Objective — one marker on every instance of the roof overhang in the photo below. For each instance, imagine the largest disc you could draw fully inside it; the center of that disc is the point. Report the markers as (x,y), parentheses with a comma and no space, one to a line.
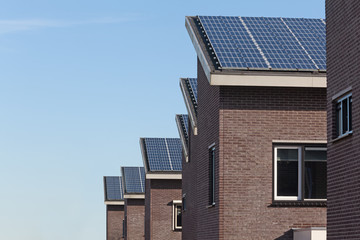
(166,176)
(114,202)
(189,105)
(182,136)
(134,196)
(262,78)
(143,154)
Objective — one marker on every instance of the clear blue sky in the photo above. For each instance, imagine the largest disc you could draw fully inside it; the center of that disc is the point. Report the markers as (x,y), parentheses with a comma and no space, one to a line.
(80,82)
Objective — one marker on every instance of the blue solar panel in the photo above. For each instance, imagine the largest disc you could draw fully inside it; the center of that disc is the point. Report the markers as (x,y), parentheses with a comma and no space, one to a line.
(175,151)
(193,87)
(267,43)
(163,154)
(134,179)
(185,120)
(113,188)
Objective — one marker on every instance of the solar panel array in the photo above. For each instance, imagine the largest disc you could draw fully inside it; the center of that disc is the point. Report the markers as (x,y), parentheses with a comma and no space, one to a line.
(267,43)
(134,179)
(113,189)
(163,154)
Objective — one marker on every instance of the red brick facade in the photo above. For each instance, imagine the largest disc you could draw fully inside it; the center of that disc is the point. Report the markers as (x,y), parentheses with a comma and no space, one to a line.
(243,122)
(343,31)
(134,219)
(159,196)
(114,222)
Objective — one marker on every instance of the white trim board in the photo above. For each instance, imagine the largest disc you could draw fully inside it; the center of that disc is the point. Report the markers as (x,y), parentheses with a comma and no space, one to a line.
(134,196)
(269,80)
(163,176)
(114,202)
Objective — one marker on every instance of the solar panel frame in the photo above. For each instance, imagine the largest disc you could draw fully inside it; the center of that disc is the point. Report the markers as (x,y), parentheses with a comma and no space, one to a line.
(113,188)
(260,43)
(134,179)
(163,154)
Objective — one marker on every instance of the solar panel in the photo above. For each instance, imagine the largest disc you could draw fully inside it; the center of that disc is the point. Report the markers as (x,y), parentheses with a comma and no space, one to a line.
(266,43)
(193,87)
(134,179)
(113,188)
(163,154)
(185,122)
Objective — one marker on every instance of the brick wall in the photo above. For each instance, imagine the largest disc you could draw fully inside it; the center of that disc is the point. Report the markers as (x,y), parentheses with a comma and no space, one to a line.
(135,219)
(159,209)
(114,222)
(343,31)
(251,118)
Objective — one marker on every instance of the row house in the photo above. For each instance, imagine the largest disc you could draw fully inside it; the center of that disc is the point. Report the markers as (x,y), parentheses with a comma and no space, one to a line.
(163,207)
(114,201)
(255,166)
(342,25)
(134,195)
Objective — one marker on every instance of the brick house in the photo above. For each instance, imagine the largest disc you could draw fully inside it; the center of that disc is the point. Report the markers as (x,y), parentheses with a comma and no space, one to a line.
(343,53)
(134,195)
(114,201)
(256,166)
(162,162)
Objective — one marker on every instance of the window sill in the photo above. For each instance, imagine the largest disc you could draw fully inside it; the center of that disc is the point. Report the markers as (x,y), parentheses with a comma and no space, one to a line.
(299,204)
(210,206)
(342,137)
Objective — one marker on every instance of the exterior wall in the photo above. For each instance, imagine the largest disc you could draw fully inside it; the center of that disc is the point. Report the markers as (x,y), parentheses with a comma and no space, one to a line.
(159,209)
(114,222)
(199,220)
(251,118)
(343,30)
(189,187)
(147,209)
(243,122)
(134,219)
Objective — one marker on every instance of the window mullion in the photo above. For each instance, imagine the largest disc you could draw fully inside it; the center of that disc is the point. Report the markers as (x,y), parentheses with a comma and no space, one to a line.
(300,171)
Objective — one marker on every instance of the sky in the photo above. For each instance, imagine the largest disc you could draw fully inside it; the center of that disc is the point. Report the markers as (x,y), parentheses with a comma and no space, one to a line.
(80,83)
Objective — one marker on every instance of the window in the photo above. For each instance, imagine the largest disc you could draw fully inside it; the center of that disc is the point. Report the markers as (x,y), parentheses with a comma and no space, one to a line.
(212,175)
(184,202)
(343,109)
(177,215)
(300,173)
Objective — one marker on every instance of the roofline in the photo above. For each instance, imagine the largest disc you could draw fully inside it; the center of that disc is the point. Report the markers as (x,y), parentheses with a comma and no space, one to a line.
(143,154)
(259,78)
(188,104)
(134,196)
(108,202)
(165,176)
(104,181)
(182,137)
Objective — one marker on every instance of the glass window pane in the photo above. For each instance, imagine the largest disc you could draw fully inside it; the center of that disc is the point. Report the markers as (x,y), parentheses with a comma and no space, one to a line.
(178,216)
(338,119)
(345,116)
(315,155)
(315,175)
(287,172)
(350,113)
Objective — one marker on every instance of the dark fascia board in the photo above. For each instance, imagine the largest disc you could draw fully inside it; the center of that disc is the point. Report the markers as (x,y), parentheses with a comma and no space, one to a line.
(249,77)
(182,135)
(189,105)
(105,195)
(144,155)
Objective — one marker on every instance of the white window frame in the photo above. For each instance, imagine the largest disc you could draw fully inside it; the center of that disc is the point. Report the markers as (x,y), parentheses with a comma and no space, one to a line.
(176,203)
(301,161)
(340,123)
(291,198)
